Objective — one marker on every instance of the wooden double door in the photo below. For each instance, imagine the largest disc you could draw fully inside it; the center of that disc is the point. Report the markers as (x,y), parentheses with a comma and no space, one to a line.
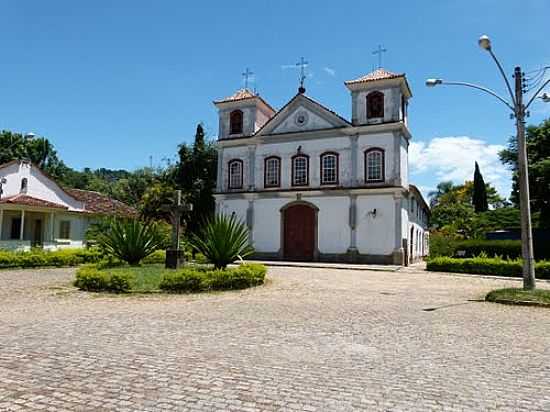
(299,232)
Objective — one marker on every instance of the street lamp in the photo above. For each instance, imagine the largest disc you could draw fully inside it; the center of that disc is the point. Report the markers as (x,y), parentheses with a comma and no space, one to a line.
(519,111)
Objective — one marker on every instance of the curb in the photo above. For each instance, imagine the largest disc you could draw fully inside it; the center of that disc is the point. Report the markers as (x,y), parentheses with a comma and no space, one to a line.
(321,266)
(520,303)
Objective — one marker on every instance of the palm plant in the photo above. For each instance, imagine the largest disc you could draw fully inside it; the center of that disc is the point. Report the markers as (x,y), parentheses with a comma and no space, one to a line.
(223,239)
(131,240)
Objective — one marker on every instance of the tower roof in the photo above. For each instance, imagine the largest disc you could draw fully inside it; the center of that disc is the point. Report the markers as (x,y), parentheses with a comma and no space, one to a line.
(243,94)
(378,74)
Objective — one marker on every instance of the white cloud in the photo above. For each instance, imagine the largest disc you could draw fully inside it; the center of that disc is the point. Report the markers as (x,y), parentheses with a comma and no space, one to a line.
(453,158)
(329,71)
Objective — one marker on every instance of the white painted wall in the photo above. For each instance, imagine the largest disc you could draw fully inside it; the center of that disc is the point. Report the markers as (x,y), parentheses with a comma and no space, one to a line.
(376,235)
(314,122)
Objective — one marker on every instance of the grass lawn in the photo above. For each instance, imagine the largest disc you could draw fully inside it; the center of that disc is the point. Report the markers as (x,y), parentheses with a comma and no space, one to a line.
(144,278)
(517,295)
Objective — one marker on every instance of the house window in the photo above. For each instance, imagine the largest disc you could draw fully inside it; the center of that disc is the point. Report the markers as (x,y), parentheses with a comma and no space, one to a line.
(235,174)
(300,170)
(272,172)
(65,229)
(24,185)
(15,231)
(236,122)
(329,168)
(375,105)
(374,165)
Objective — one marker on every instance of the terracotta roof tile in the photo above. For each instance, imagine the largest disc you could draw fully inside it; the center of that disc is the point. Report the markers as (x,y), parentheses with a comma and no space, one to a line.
(378,74)
(97,203)
(241,94)
(25,200)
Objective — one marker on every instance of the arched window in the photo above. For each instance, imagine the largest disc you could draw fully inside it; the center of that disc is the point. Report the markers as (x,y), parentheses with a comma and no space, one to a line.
(235,174)
(329,168)
(272,171)
(24,185)
(375,105)
(374,165)
(236,122)
(300,170)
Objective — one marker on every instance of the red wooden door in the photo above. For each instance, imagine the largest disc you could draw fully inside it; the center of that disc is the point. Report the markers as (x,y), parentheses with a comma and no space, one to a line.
(299,232)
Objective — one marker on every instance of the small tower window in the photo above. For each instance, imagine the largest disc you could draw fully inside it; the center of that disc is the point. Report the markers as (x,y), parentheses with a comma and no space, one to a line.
(24,185)
(374,165)
(375,105)
(272,177)
(236,122)
(329,168)
(300,170)
(235,174)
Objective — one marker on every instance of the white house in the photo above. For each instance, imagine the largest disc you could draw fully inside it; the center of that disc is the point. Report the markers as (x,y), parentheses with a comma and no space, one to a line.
(312,185)
(37,212)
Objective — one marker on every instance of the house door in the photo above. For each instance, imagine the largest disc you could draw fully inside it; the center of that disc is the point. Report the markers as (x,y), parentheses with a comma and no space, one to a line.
(37,233)
(299,232)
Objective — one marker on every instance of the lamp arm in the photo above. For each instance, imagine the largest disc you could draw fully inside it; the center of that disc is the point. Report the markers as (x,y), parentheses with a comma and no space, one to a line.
(503,76)
(484,89)
(537,92)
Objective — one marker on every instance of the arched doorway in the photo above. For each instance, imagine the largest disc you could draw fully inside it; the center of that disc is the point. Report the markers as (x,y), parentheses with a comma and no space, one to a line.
(299,231)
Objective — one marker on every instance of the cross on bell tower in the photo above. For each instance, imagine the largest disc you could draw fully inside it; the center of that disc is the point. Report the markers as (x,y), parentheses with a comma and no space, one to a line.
(302,64)
(379,52)
(246,76)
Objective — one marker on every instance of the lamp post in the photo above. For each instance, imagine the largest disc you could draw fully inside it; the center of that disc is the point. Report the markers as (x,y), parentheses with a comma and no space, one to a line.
(519,112)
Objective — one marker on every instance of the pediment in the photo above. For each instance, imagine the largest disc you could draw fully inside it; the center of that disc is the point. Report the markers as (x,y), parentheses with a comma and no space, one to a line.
(302,114)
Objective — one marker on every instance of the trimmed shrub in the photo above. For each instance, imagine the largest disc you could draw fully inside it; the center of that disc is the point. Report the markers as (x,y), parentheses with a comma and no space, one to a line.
(186,280)
(91,279)
(159,257)
(486,266)
(195,280)
(42,258)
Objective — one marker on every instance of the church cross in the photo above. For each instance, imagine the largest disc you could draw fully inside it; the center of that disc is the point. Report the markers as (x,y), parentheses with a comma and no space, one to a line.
(379,52)
(302,64)
(175,211)
(246,76)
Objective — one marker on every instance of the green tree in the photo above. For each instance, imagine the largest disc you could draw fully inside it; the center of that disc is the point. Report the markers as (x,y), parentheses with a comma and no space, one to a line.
(538,154)
(479,195)
(195,174)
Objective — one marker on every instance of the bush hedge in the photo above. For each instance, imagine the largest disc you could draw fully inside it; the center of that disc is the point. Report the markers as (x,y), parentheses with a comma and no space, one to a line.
(486,266)
(441,245)
(195,280)
(92,279)
(39,257)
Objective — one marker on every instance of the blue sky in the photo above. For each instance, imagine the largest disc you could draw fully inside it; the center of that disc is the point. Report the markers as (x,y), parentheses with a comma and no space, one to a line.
(111,83)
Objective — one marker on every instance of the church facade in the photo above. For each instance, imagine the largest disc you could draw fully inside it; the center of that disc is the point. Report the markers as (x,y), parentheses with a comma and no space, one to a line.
(314,186)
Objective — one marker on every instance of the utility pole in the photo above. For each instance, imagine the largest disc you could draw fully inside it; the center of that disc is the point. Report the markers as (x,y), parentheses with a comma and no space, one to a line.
(523,176)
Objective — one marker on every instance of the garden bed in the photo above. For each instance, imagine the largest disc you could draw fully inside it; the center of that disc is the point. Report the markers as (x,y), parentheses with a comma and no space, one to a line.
(515,296)
(155,278)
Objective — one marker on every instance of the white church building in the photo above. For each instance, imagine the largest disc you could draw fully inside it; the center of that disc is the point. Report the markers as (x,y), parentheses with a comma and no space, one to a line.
(314,186)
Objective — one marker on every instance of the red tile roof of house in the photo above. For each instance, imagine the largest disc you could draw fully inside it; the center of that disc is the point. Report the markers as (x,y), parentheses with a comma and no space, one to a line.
(97,203)
(378,74)
(25,200)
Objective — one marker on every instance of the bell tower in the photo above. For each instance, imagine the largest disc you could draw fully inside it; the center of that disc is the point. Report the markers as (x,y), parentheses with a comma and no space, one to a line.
(379,97)
(242,114)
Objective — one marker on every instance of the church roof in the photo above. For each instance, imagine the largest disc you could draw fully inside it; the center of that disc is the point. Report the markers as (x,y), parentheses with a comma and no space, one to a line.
(97,203)
(378,74)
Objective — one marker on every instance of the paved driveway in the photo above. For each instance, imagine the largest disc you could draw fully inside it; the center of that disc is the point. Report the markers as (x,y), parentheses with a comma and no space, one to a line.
(311,339)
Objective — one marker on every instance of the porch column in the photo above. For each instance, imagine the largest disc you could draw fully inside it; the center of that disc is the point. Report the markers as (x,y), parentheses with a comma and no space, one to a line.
(1,222)
(22,228)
